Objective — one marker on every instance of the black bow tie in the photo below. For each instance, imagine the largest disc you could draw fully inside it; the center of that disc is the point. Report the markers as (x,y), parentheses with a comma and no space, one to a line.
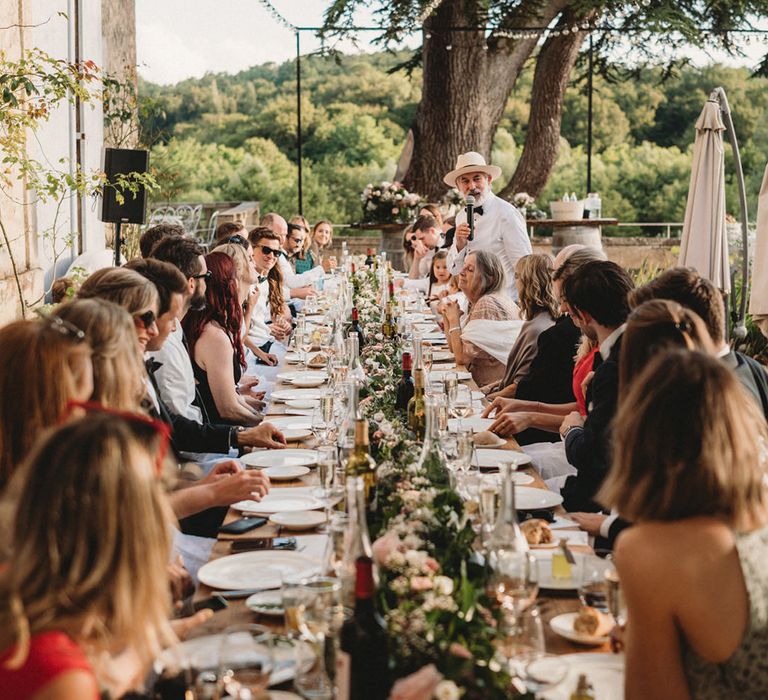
(478,210)
(262,279)
(152,365)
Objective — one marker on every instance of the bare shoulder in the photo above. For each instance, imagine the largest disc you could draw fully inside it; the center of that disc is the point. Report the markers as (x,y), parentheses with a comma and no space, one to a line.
(71,685)
(215,336)
(652,546)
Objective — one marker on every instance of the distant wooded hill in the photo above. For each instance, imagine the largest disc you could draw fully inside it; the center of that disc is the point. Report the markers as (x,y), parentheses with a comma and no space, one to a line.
(233,137)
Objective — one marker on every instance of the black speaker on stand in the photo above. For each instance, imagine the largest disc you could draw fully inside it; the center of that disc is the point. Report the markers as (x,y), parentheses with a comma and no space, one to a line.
(133,209)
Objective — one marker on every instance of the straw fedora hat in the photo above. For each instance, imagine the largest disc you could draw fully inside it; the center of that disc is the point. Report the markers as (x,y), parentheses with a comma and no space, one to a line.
(471,162)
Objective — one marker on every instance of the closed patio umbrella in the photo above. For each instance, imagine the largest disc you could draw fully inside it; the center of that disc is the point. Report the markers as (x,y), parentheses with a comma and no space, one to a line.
(758,301)
(704,244)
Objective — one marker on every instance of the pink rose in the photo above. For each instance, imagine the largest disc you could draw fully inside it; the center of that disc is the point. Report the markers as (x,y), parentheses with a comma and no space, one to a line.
(431,564)
(421,583)
(384,546)
(418,686)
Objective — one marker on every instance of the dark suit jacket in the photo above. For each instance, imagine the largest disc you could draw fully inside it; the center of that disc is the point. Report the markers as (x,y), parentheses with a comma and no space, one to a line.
(188,435)
(550,376)
(589,449)
(752,375)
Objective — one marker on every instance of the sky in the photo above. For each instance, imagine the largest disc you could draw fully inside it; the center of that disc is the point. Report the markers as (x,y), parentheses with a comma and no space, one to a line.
(178,39)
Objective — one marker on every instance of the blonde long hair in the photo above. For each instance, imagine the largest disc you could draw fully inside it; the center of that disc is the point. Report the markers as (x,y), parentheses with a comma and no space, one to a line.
(118,369)
(79,546)
(534,273)
(40,368)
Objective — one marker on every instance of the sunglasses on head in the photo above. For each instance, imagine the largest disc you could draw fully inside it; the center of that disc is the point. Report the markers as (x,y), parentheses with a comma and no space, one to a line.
(136,420)
(266,250)
(147,318)
(202,276)
(62,326)
(297,227)
(238,239)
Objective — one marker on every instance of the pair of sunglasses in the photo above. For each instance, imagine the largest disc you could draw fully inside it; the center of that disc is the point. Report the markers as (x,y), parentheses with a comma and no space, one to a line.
(203,276)
(147,318)
(266,250)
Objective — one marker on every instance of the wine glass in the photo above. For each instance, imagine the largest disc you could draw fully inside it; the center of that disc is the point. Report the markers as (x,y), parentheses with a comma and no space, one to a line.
(246,660)
(514,580)
(306,342)
(521,639)
(451,382)
(321,614)
(426,359)
(465,449)
(593,586)
(334,549)
(488,497)
(319,425)
(329,491)
(461,406)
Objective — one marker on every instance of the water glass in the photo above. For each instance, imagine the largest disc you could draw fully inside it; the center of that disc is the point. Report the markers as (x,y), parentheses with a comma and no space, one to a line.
(319,425)
(593,583)
(246,660)
(461,405)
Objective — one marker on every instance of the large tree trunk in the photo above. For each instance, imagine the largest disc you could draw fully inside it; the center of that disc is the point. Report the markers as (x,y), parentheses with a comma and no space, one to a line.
(465,88)
(550,80)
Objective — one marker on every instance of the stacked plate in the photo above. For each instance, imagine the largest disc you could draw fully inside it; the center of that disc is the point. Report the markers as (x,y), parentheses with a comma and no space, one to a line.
(280,458)
(297,394)
(257,569)
(271,504)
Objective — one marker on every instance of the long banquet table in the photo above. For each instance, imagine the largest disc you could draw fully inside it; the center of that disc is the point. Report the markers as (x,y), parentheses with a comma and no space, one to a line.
(550,603)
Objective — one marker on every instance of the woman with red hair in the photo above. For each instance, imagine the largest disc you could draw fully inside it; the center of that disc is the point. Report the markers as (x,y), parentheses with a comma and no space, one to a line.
(215,333)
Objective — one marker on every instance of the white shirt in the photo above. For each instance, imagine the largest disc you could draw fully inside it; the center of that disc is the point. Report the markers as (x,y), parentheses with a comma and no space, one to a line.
(259,330)
(610,341)
(500,230)
(292,280)
(175,378)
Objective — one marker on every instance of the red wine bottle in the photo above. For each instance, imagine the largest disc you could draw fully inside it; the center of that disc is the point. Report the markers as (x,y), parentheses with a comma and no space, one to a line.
(362,666)
(356,328)
(369,258)
(405,387)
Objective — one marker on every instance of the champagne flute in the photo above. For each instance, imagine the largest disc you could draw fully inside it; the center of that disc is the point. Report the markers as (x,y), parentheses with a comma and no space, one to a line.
(329,491)
(426,359)
(246,660)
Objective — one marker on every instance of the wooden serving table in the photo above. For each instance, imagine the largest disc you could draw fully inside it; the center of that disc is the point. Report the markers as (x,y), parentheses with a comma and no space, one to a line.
(551,603)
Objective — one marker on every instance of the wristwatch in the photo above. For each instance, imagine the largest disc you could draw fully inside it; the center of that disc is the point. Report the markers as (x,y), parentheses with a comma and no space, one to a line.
(233,436)
(569,429)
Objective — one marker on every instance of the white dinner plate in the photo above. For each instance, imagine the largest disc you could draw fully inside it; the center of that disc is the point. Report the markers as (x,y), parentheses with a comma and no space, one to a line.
(307,383)
(518,478)
(257,569)
(527,498)
(293,358)
(476,423)
(292,422)
(485,457)
(298,520)
(281,458)
(202,650)
(290,394)
(286,473)
(303,403)
(302,374)
(266,603)
(442,355)
(276,504)
(605,673)
(439,374)
(563,625)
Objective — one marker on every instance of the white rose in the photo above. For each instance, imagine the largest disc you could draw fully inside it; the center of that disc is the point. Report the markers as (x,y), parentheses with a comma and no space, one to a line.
(444,585)
(446,690)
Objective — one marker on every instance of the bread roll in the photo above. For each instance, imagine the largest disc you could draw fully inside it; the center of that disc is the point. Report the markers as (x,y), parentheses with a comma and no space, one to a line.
(593,622)
(537,531)
(486,438)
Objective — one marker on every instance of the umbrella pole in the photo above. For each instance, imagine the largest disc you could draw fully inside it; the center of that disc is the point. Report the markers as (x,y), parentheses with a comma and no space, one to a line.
(740,330)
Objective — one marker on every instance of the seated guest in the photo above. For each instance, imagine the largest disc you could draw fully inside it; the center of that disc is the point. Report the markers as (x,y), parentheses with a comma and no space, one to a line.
(154,234)
(689,470)
(482,340)
(63,289)
(247,277)
(270,318)
(44,364)
(432,210)
(441,281)
(653,328)
(303,259)
(687,287)
(409,238)
(228,230)
(89,556)
(321,240)
(173,367)
(215,334)
(596,294)
(536,300)
(545,394)
(429,238)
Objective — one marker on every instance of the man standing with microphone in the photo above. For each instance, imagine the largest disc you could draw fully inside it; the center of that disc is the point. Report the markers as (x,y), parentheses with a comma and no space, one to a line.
(498,227)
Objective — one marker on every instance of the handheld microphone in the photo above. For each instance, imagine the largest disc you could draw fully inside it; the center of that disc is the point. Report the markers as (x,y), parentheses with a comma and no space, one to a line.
(471,216)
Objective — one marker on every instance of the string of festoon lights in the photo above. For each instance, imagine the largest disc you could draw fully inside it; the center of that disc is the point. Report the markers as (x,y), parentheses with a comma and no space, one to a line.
(272,10)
